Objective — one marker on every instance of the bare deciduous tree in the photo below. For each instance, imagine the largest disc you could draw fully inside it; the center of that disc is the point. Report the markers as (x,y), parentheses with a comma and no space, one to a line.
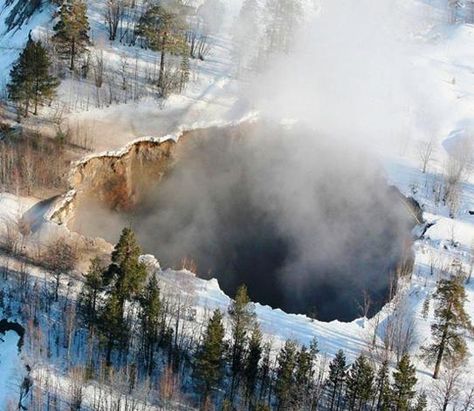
(425,150)
(457,168)
(468,403)
(114,12)
(60,258)
(446,390)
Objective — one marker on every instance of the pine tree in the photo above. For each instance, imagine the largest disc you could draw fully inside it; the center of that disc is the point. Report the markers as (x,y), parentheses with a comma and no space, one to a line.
(30,81)
(150,318)
(359,383)
(129,274)
(72,30)
(252,361)
(242,316)
(164,28)
(208,370)
(91,288)
(112,326)
(304,374)
(184,71)
(421,402)
(336,379)
(382,388)
(451,320)
(286,360)
(403,389)
(265,375)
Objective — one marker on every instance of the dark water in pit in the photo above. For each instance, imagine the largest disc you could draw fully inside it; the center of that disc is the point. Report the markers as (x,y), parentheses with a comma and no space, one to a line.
(308,224)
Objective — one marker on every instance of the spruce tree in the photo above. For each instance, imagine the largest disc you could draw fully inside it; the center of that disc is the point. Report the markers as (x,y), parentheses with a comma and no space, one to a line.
(150,318)
(451,321)
(208,369)
(72,30)
(404,381)
(286,360)
(359,383)
(252,361)
(242,316)
(336,379)
(91,288)
(30,81)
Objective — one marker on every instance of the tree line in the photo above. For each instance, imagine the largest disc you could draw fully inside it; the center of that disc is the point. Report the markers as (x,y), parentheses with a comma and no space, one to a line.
(177,31)
(230,364)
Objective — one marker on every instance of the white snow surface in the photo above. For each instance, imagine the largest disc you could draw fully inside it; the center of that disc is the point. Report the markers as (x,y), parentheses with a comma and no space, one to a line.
(11,369)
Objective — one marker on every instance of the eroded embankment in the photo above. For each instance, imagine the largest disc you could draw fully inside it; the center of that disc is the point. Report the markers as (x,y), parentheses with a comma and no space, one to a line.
(118,180)
(256,206)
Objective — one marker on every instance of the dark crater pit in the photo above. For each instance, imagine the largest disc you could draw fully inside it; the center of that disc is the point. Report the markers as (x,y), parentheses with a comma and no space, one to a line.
(308,223)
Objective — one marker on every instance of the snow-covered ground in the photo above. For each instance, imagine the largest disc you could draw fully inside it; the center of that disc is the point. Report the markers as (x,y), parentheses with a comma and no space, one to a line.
(12,370)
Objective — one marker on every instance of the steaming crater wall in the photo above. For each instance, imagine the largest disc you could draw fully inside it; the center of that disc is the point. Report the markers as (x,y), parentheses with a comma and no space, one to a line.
(306,228)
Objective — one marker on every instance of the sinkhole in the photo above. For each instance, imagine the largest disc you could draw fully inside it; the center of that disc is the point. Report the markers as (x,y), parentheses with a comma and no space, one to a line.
(307,222)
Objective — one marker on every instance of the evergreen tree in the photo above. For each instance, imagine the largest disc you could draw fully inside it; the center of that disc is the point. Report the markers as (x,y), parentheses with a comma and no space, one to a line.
(404,381)
(184,71)
(252,361)
(382,388)
(208,370)
(150,318)
(286,364)
(265,375)
(124,279)
(359,382)
(30,81)
(128,273)
(164,27)
(72,30)
(282,17)
(451,320)
(91,288)
(336,379)
(112,326)
(304,373)
(421,402)
(242,316)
